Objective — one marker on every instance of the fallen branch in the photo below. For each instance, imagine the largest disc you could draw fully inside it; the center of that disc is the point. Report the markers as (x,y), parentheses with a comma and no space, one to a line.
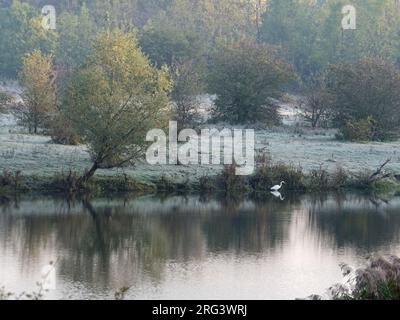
(380,174)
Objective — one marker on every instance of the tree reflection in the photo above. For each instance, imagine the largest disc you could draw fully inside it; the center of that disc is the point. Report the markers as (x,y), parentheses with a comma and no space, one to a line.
(356,221)
(117,242)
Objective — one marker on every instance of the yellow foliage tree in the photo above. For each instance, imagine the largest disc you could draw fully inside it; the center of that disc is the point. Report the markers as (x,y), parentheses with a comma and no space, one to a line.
(39,100)
(114,99)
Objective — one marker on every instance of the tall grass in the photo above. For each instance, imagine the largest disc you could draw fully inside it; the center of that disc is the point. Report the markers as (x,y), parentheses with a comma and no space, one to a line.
(268,174)
(230,183)
(379,280)
(10,180)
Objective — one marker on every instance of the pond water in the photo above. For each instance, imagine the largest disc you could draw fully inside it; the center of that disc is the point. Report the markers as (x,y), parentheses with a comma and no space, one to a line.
(191,247)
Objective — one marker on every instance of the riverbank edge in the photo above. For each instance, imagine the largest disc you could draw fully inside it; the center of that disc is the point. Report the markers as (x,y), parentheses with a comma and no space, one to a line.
(226,184)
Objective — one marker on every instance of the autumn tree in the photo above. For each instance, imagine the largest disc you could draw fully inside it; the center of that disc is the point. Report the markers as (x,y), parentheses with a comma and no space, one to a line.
(245,76)
(37,78)
(114,99)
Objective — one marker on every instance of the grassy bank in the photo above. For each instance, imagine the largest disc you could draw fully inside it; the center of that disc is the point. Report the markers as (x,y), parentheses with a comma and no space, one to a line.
(308,160)
(225,183)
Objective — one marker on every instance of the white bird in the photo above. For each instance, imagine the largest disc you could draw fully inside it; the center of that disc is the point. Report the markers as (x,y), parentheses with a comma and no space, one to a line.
(278,187)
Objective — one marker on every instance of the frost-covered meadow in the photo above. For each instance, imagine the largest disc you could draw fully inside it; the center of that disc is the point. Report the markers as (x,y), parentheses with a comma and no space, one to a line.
(309,149)
(293,144)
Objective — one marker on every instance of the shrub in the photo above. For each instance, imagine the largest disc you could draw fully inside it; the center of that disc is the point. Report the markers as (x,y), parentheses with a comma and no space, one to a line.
(11,180)
(316,106)
(62,133)
(340,178)
(365,99)
(245,76)
(319,179)
(270,174)
(379,280)
(358,130)
(5,101)
(229,182)
(207,184)
(65,182)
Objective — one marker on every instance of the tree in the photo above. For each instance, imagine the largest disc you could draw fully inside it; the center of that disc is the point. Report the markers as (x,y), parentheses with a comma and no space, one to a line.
(21,32)
(114,99)
(246,76)
(188,84)
(190,29)
(168,43)
(293,26)
(316,108)
(37,78)
(317,103)
(311,37)
(125,14)
(366,92)
(5,101)
(76,36)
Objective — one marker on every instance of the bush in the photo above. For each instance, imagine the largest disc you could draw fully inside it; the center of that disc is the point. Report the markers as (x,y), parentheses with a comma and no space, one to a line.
(316,106)
(62,133)
(11,180)
(361,130)
(322,180)
(365,99)
(207,185)
(340,178)
(229,182)
(65,182)
(5,101)
(245,76)
(270,174)
(319,179)
(379,280)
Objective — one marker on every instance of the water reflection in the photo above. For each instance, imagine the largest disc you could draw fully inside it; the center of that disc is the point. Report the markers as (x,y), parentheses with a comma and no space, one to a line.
(191,247)
(277,194)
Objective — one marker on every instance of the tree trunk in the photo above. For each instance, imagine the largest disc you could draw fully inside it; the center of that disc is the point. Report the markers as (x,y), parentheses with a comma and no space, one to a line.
(86,177)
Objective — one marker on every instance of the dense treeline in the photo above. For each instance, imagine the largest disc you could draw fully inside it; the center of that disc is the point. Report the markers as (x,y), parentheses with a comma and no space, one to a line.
(308,32)
(247,52)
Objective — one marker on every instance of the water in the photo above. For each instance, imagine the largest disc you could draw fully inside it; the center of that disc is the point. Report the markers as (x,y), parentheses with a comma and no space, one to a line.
(193,248)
